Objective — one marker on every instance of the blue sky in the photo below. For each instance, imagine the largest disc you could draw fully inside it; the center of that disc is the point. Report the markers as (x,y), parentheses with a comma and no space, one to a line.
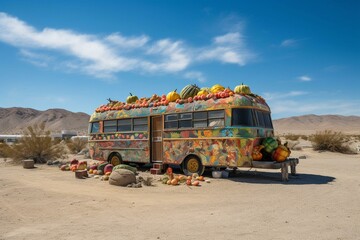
(301,56)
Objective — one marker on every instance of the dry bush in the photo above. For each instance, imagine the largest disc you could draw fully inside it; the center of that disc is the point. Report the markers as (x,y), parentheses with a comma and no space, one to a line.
(4,150)
(294,137)
(330,141)
(36,144)
(76,145)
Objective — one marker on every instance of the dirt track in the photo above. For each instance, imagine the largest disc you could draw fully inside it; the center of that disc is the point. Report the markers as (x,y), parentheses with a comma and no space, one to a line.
(322,202)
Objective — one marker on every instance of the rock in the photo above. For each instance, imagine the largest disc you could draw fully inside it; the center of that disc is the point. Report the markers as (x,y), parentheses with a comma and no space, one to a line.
(122,177)
(28,163)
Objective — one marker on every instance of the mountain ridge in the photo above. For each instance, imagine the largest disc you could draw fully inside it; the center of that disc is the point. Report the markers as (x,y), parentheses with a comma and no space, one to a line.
(15,119)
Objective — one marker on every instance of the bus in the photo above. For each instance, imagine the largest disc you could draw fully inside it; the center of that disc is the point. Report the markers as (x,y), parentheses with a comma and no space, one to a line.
(211,132)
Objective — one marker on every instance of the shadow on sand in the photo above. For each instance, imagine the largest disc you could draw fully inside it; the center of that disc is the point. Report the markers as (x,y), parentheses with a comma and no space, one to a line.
(258,177)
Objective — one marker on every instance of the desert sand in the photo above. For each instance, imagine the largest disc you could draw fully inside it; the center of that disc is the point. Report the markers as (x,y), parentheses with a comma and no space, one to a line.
(321,202)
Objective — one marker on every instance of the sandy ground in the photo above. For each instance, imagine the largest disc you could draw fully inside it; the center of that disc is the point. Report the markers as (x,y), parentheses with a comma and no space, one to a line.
(322,202)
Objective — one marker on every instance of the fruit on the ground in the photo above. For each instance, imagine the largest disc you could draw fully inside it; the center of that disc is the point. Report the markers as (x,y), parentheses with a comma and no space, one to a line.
(242,89)
(195,183)
(131,98)
(82,165)
(174,182)
(74,161)
(108,168)
(189,91)
(172,96)
(216,88)
(270,144)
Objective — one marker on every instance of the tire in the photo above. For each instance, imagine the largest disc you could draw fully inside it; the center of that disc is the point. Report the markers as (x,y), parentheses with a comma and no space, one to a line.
(191,165)
(115,159)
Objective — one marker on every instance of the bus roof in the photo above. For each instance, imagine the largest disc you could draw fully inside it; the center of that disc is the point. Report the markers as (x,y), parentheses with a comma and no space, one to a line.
(237,100)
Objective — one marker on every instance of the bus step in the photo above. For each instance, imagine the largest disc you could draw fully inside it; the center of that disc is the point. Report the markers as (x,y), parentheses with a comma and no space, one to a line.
(155,171)
(158,166)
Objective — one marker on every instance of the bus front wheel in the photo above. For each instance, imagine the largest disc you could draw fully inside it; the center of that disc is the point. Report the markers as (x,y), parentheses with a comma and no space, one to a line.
(115,159)
(192,165)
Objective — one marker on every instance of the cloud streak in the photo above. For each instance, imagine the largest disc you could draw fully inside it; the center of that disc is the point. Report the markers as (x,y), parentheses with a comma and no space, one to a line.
(105,56)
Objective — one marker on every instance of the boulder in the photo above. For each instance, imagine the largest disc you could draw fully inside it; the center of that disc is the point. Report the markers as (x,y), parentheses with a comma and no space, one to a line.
(122,177)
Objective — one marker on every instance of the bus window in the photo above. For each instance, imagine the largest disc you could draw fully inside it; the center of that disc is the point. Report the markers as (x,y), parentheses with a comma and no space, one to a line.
(216,118)
(124,125)
(260,118)
(94,127)
(200,119)
(185,120)
(171,121)
(242,117)
(267,118)
(140,124)
(110,126)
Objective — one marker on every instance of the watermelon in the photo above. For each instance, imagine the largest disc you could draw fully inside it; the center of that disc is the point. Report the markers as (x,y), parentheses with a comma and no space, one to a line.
(189,91)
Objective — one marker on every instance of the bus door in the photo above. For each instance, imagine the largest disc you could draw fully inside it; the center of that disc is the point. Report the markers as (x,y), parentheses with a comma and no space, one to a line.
(156,139)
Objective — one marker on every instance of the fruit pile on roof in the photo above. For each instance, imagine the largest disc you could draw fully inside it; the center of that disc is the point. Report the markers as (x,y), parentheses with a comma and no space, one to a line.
(188,94)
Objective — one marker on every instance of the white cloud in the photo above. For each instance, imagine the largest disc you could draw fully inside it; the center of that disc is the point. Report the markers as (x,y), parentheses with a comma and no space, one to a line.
(175,56)
(195,75)
(103,57)
(127,42)
(282,95)
(229,48)
(289,43)
(304,78)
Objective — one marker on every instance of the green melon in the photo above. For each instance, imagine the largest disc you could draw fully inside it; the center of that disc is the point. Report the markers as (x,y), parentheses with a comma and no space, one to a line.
(189,91)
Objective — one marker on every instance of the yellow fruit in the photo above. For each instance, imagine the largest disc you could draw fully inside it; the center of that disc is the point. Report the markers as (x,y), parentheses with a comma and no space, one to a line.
(216,88)
(202,92)
(172,96)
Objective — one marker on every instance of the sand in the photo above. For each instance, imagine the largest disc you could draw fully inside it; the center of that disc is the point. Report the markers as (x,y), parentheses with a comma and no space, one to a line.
(322,202)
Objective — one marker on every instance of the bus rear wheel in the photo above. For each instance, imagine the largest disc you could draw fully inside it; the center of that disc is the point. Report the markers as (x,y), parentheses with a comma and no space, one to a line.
(192,165)
(115,159)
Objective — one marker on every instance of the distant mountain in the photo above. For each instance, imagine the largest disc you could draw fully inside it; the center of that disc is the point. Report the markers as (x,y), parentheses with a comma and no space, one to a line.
(15,120)
(309,124)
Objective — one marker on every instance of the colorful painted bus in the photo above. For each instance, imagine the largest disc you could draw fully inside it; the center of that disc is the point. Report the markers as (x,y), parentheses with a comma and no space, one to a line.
(216,132)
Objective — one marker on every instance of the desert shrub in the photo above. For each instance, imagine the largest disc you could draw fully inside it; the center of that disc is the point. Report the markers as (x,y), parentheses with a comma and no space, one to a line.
(76,145)
(330,141)
(292,137)
(4,150)
(36,144)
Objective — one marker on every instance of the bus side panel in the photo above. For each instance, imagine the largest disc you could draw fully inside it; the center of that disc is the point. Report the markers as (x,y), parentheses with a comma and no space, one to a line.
(232,152)
(133,147)
(223,147)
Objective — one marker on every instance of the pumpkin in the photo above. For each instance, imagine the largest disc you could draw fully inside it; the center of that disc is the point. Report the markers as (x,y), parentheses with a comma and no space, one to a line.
(217,88)
(172,96)
(270,144)
(202,92)
(242,89)
(189,91)
(131,99)
(281,153)
(256,154)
